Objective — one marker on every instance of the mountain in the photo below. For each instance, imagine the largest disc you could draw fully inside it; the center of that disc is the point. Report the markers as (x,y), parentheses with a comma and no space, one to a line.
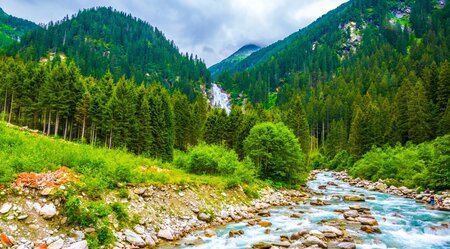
(102,39)
(12,28)
(231,61)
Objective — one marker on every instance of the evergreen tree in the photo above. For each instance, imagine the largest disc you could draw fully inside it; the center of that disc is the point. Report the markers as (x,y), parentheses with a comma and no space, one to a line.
(296,119)
(419,115)
(355,143)
(443,89)
(182,115)
(161,123)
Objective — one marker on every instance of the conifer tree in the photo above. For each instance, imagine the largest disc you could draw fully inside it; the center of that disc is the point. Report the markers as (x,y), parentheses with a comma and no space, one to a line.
(443,89)
(296,119)
(419,115)
(355,143)
(182,115)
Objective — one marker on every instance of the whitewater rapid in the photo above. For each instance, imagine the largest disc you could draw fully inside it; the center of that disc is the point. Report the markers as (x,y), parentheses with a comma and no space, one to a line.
(403,222)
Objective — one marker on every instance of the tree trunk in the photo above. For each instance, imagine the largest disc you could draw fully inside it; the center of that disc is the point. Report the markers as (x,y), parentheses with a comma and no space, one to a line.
(49,122)
(11,108)
(110,138)
(45,119)
(56,123)
(70,130)
(4,106)
(83,127)
(65,128)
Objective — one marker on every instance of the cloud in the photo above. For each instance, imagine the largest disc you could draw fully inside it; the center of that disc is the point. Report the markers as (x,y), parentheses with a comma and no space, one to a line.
(212,29)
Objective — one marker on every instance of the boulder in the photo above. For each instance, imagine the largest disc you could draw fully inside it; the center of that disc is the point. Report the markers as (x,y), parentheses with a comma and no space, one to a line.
(78,245)
(381,186)
(48,211)
(318,202)
(262,245)
(165,234)
(5,208)
(234,233)
(367,221)
(281,244)
(354,198)
(265,223)
(370,229)
(209,233)
(351,213)
(134,238)
(334,230)
(58,244)
(346,245)
(312,240)
(204,217)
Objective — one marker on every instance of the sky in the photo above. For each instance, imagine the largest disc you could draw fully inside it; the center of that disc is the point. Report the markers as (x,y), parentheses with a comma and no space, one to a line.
(211,29)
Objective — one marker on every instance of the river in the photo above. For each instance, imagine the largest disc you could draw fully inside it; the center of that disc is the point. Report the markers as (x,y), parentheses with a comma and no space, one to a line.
(403,222)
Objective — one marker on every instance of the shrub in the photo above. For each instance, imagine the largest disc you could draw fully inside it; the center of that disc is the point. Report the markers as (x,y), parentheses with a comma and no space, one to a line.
(120,211)
(276,153)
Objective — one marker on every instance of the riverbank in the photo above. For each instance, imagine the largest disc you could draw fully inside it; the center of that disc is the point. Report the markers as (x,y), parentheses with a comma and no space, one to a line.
(381,186)
(156,214)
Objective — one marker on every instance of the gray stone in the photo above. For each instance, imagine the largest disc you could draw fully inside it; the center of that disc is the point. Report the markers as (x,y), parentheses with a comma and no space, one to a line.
(204,217)
(165,234)
(312,240)
(5,208)
(139,229)
(351,213)
(346,245)
(78,245)
(134,238)
(58,244)
(367,221)
(48,211)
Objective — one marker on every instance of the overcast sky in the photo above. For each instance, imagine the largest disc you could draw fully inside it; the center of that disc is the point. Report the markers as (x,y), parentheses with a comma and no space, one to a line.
(212,29)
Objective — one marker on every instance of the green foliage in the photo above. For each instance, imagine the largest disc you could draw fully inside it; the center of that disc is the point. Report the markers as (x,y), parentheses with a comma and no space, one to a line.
(425,165)
(102,39)
(82,214)
(217,160)
(121,211)
(276,153)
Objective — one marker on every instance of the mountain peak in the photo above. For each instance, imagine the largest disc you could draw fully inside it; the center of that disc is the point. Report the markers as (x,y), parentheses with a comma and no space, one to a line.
(233,59)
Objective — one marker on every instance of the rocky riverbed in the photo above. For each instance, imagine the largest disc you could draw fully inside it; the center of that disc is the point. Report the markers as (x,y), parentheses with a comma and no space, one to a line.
(335,212)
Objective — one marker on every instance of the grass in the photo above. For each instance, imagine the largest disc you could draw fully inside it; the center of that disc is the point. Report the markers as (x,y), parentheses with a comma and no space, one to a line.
(101,169)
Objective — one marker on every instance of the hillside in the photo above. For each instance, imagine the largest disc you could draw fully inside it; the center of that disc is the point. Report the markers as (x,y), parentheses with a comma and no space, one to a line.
(102,39)
(366,73)
(231,61)
(12,28)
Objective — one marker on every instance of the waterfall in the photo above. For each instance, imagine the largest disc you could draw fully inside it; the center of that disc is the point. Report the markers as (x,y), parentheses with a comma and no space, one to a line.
(219,98)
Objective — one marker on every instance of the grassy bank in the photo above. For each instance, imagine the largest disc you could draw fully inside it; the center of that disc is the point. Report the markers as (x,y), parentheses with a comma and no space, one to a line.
(100,168)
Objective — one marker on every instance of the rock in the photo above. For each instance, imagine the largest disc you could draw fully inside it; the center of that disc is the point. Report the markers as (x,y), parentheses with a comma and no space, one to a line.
(381,186)
(77,235)
(367,221)
(134,238)
(149,240)
(165,234)
(346,245)
(78,245)
(371,198)
(58,244)
(139,229)
(318,202)
(209,233)
(317,233)
(354,198)
(265,223)
(48,191)
(334,230)
(5,208)
(281,244)
(22,217)
(7,240)
(262,245)
(295,216)
(312,240)
(264,213)
(350,213)
(196,242)
(234,233)
(48,211)
(332,183)
(204,217)
(139,191)
(370,229)
(322,186)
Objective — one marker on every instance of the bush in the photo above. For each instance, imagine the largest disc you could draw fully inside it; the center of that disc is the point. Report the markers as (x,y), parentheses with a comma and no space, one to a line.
(120,211)
(216,160)
(276,153)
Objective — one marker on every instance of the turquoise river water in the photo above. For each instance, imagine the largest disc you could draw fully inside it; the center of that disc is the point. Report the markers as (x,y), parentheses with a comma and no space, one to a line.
(403,222)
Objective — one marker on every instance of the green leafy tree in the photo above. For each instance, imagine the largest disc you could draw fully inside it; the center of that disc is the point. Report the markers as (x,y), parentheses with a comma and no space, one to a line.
(276,153)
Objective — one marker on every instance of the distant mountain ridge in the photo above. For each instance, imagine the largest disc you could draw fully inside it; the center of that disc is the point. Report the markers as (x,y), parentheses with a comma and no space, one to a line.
(12,28)
(231,61)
